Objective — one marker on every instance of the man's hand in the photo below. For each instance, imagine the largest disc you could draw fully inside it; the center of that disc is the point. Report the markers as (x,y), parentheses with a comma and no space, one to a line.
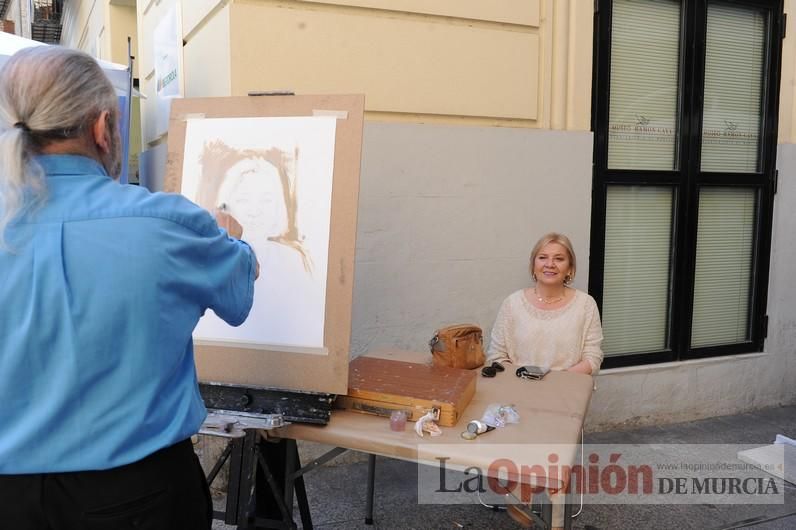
(229,223)
(234,229)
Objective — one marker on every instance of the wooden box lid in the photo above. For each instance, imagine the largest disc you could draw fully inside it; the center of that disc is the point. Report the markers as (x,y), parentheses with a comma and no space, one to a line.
(410,386)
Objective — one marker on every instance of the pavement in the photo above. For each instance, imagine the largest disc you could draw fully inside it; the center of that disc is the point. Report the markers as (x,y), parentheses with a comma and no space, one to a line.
(336,492)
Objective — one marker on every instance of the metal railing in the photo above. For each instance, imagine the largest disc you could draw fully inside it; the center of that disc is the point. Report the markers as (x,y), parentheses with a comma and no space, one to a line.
(46,25)
(48,10)
(4,7)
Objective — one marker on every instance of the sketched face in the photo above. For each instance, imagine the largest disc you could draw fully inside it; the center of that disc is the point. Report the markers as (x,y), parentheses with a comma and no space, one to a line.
(253,194)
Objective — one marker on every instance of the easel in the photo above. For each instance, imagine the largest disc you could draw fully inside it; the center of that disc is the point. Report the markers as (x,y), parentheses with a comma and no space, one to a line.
(238,362)
(262,476)
(252,463)
(240,369)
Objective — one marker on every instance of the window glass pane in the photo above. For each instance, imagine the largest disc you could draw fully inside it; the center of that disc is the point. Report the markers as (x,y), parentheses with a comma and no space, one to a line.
(636,292)
(725,237)
(645,66)
(734,58)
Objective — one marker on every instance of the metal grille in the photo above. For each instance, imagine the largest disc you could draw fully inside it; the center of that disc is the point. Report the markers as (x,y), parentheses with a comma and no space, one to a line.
(4,8)
(46,26)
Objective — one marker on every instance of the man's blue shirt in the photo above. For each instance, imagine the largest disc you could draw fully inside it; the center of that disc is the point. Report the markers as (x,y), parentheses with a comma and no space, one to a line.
(101,288)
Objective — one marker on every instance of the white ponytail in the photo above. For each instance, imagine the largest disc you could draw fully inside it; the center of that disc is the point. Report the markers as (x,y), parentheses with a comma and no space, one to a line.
(47,93)
(20,177)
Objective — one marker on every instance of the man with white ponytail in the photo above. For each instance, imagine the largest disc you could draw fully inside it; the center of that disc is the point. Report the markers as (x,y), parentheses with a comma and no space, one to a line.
(101,286)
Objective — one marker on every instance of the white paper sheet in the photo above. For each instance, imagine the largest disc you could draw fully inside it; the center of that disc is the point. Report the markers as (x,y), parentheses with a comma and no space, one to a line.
(274,175)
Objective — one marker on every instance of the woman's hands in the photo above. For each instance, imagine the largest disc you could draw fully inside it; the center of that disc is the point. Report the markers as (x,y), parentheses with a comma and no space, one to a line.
(583,367)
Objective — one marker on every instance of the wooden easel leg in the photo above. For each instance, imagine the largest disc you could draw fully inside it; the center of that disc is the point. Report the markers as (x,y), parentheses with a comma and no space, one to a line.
(254,496)
(299,488)
(219,463)
(268,499)
(291,454)
(371,489)
(279,466)
(231,514)
(211,476)
(568,511)
(245,479)
(284,510)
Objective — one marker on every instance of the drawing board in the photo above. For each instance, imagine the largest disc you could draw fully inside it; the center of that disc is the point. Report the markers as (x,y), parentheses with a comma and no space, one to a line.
(287,168)
(274,175)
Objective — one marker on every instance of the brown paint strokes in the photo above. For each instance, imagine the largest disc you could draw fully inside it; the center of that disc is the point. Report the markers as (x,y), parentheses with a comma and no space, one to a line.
(218,158)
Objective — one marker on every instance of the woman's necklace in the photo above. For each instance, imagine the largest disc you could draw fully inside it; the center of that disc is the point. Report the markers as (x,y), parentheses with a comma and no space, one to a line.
(548,301)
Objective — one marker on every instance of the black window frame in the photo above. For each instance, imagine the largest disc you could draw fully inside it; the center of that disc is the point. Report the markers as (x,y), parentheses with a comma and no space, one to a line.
(687,179)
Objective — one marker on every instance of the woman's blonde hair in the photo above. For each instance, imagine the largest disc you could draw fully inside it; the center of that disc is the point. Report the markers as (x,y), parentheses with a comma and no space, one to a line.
(47,93)
(561,239)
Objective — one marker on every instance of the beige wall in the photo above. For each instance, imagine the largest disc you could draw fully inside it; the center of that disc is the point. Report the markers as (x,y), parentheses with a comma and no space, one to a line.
(122,23)
(525,64)
(508,11)
(208,54)
(101,28)
(502,63)
(83,24)
(416,65)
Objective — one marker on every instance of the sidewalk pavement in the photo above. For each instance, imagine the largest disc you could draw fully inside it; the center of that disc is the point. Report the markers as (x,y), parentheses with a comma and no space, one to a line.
(337,492)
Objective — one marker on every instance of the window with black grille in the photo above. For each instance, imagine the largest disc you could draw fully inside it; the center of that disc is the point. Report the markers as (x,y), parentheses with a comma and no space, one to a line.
(685,119)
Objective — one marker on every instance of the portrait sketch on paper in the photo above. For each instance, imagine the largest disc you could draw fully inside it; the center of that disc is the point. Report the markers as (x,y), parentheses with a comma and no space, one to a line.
(274,175)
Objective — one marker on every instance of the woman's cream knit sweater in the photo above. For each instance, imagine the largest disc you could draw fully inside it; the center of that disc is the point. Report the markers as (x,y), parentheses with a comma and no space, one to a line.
(554,338)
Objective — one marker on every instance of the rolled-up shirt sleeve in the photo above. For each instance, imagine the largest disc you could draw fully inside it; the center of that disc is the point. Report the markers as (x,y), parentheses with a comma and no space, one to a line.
(210,269)
(231,268)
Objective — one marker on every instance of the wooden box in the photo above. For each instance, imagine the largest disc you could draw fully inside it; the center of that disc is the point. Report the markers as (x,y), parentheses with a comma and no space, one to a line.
(380,386)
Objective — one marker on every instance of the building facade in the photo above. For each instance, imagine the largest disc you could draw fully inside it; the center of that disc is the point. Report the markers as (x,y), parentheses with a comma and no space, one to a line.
(16,17)
(489,124)
(101,29)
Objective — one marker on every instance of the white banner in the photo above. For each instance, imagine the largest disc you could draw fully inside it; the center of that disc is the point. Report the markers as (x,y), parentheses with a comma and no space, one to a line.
(167,49)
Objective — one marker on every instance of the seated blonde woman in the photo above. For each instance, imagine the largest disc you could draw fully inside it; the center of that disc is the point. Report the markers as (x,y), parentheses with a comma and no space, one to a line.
(551,325)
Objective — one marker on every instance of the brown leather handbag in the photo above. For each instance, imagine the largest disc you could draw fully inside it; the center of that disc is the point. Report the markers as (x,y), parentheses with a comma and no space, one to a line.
(458,346)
